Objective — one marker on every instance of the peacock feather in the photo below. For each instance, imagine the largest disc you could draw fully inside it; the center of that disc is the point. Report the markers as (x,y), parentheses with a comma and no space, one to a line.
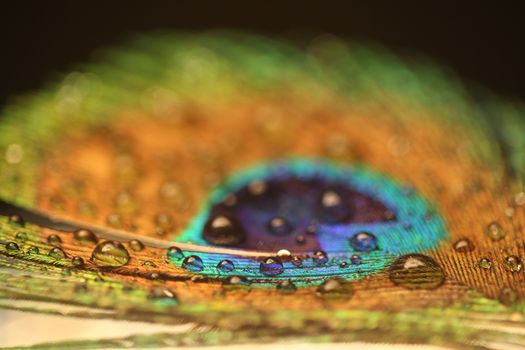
(256,191)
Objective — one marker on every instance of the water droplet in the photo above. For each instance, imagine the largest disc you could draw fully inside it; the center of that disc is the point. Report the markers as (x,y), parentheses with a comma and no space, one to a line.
(110,254)
(77,261)
(54,240)
(154,276)
(57,253)
(230,200)
(495,231)
(485,263)
(193,263)
(164,224)
(320,257)
(257,188)
(21,236)
(114,220)
(221,230)
(162,293)
(175,253)
(236,282)
(335,288)
(284,253)
(271,267)
(333,209)
(513,263)
(463,246)
(225,266)
(286,286)
(136,245)
(16,219)
(300,239)
(297,261)
(311,229)
(356,259)
(85,237)
(279,226)
(149,263)
(12,246)
(363,242)
(508,296)
(33,250)
(343,265)
(416,271)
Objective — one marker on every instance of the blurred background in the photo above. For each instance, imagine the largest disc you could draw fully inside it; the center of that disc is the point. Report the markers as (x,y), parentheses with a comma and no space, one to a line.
(483,42)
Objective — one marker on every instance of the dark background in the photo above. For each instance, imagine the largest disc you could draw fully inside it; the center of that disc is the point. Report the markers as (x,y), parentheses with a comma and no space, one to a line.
(482,42)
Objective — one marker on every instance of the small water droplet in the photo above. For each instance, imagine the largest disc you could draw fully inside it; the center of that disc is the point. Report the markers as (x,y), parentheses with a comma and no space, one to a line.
(495,231)
(271,267)
(343,265)
(225,266)
(154,276)
(335,288)
(193,263)
(162,293)
(54,240)
(110,254)
(284,253)
(279,226)
(257,188)
(311,229)
(33,250)
(485,263)
(519,199)
(21,236)
(333,209)
(230,200)
(85,237)
(300,239)
(57,253)
(17,220)
(221,230)
(136,245)
(416,271)
(77,261)
(513,263)
(12,246)
(320,257)
(175,253)
(233,282)
(463,246)
(286,287)
(508,296)
(297,261)
(149,263)
(114,220)
(363,242)
(356,259)
(164,224)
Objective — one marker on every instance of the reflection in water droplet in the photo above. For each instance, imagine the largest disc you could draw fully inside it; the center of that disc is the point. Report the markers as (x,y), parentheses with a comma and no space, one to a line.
(136,245)
(12,246)
(335,288)
(85,237)
(495,231)
(193,263)
(57,253)
(33,250)
(271,267)
(221,230)
(485,263)
(320,257)
(363,242)
(16,219)
(416,271)
(463,246)
(54,240)
(225,266)
(286,286)
(356,259)
(175,253)
(513,263)
(279,226)
(77,261)
(110,254)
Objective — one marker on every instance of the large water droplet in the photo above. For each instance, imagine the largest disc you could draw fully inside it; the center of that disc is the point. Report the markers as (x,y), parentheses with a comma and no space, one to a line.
(495,231)
(12,246)
(175,253)
(85,237)
(416,271)
(279,226)
(513,263)
(463,246)
(110,254)
(286,286)
(221,230)
(57,253)
(225,266)
(335,288)
(193,263)
(271,267)
(320,257)
(363,242)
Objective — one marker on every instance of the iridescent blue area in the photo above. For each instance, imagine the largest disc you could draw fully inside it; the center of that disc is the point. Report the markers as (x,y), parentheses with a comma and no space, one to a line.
(225,266)
(363,242)
(404,228)
(193,263)
(271,267)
